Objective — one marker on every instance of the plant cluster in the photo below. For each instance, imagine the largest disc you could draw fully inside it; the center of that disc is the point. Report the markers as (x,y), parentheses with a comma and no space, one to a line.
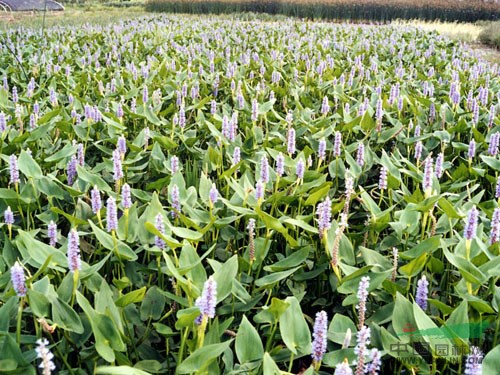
(184,195)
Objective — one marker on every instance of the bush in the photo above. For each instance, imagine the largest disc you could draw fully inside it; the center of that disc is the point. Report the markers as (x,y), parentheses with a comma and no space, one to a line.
(491,35)
(361,10)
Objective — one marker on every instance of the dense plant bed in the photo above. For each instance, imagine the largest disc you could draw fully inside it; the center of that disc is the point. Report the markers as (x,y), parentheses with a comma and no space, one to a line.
(219,196)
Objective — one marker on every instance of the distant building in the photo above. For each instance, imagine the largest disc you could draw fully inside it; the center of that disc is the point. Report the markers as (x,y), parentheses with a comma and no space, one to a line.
(29,5)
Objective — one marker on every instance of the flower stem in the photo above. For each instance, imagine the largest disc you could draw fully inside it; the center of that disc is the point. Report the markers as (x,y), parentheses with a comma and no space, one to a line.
(19,320)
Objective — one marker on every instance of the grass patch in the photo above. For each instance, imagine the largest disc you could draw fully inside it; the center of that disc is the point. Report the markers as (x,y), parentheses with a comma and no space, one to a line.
(490,35)
(72,15)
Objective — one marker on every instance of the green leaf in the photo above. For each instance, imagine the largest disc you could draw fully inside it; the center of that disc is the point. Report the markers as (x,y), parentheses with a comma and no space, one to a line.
(338,328)
(294,329)
(271,314)
(10,350)
(270,367)
(119,370)
(427,246)
(248,345)
(301,224)
(37,252)
(38,303)
(274,277)
(201,358)
(93,179)
(172,243)
(8,194)
(457,324)
(491,161)
(224,277)
(273,223)
(132,297)
(29,166)
(430,332)
(491,362)
(106,240)
(318,195)
(65,317)
(415,266)
(403,321)
(186,317)
(153,304)
(72,219)
(295,259)
(468,270)
(448,208)
(102,344)
(108,328)
(188,234)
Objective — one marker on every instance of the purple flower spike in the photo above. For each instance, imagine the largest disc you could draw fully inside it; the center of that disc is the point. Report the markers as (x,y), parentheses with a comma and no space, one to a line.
(495,226)
(322,149)
(95,197)
(494,143)
(117,165)
(213,107)
(422,292)
(472,149)
(280,164)
(126,196)
(291,141)
(122,146)
(382,181)
(417,131)
(52,233)
(14,171)
(324,212)
(471,224)
(80,154)
(418,150)
(236,155)
(325,107)
(264,169)
(33,123)
(360,155)
(176,204)
(174,164)
(299,170)
(364,284)
(18,279)
(74,260)
(8,216)
(3,122)
(497,188)
(161,228)
(207,301)
(428,171)
(320,336)
(363,340)
(439,165)
(214,194)
(473,362)
(46,356)
(111,215)
(255,107)
(343,369)
(71,170)
(373,367)
(259,190)
(337,144)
